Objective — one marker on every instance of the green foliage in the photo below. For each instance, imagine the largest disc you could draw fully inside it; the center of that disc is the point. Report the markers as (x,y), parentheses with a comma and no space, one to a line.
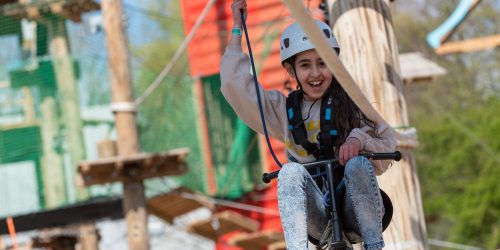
(458,123)
(459,178)
(167,118)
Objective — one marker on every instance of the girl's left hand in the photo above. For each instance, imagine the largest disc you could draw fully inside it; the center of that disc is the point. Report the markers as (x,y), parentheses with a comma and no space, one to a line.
(236,7)
(348,150)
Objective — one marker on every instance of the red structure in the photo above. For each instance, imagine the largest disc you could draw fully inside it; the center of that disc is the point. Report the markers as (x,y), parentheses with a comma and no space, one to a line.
(266,20)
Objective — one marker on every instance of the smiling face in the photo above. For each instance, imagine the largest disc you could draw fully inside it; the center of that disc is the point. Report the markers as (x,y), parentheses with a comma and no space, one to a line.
(312,73)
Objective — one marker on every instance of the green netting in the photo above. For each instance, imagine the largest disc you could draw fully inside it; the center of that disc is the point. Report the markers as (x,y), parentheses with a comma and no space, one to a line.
(168,120)
(233,145)
(42,105)
(20,144)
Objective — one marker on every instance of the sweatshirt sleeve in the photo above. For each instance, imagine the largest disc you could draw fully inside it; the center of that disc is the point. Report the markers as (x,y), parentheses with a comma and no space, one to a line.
(383,141)
(239,90)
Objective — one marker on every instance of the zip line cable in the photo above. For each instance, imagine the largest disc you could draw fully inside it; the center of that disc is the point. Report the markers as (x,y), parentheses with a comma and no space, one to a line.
(226,203)
(176,56)
(149,12)
(452,245)
(221,202)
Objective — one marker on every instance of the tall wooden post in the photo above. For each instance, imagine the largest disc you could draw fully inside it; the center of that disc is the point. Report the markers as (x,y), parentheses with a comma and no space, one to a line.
(134,202)
(70,106)
(88,237)
(52,165)
(3,245)
(369,51)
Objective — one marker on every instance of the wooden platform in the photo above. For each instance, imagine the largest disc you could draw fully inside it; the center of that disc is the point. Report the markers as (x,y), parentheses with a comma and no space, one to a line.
(170,205)
(56,242)
(415,68)
(222,223)
(256,240)
(133,168)
(69,9)
(2,2)
(56,238)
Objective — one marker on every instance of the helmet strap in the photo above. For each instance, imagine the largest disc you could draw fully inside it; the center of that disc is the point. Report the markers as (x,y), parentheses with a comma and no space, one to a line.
(297,78)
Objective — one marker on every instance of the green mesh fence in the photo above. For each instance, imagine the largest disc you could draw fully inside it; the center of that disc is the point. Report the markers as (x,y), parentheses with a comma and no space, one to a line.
(167,120)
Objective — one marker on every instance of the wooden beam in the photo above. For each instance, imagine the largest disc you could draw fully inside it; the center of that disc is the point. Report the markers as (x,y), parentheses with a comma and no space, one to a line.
(256,240)
(82,212)
(37,10)
(222,223)
(470,45)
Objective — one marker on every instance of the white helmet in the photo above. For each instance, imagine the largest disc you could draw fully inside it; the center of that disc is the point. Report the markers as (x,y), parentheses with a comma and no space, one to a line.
(294,40)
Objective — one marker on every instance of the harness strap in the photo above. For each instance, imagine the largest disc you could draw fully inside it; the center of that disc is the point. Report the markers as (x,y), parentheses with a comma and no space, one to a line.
(296,124)
(328,132)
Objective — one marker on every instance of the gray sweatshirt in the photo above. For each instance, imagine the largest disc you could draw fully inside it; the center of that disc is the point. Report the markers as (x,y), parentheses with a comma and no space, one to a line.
(239,90)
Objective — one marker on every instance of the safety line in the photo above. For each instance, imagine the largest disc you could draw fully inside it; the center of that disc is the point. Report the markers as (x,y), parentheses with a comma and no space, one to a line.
(176,56)
(233,204)
(220,202)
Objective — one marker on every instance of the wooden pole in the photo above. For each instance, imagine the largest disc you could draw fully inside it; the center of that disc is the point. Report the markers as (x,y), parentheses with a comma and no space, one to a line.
(471,45)
(88,233)
(69,101)
(204,135)
(52,162)
(134,201)
(28,106)
(370,53)
(3,245)
(88,237)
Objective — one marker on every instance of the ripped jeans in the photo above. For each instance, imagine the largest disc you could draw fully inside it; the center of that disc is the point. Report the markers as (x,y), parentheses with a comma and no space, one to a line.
(302,211)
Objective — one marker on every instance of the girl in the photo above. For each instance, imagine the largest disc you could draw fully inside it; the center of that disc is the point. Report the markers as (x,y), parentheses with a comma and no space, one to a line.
(300,121)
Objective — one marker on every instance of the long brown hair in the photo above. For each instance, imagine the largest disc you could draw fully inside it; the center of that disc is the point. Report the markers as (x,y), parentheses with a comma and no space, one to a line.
(346,114)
